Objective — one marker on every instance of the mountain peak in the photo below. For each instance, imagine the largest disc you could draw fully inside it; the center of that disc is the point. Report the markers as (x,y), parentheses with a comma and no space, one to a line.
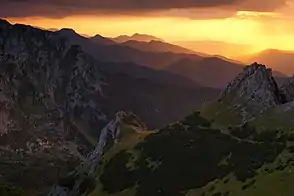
(145,37)
(68,33)
(67,30)
(99,39)
(136,37)
(252,92)
(251,72)
(97,36)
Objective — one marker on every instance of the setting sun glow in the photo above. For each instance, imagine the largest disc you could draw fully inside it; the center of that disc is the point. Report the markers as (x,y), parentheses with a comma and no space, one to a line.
(256,30)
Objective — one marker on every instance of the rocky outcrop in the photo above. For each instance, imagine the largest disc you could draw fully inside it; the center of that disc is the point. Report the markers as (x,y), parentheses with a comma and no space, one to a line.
(252,92)
(288,89)
(87,170)
(112,130)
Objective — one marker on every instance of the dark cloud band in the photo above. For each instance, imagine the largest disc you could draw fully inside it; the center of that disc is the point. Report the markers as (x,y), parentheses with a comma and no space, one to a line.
(62,8)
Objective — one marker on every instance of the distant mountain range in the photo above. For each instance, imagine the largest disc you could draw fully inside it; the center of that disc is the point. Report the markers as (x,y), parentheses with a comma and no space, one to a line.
(157,46)
(163,56)
(102,40)
(136,37)
(154,52)
(156,58)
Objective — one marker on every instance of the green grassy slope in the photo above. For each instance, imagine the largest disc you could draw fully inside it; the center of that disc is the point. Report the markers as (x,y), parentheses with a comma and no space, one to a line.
(192,158)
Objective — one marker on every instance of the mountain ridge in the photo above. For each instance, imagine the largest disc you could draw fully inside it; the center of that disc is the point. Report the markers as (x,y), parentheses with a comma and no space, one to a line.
(136,37)
(157,46)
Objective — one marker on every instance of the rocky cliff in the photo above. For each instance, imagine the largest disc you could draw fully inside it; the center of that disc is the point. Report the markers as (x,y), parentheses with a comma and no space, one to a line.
(250,94)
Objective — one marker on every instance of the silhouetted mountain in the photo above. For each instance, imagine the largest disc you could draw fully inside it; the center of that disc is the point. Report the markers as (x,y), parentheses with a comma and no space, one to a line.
(119,59)
(210,71)
(98,39)
(276,59)
(157,46)
(136,37)
(121,53)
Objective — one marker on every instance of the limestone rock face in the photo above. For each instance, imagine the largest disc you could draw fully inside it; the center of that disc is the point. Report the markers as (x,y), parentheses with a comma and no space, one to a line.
(252,92)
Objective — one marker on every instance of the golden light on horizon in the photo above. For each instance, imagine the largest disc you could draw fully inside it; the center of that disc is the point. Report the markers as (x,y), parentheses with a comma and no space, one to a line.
(250,28)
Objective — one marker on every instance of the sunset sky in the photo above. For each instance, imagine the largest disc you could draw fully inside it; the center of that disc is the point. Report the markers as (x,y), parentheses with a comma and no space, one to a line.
(261,24)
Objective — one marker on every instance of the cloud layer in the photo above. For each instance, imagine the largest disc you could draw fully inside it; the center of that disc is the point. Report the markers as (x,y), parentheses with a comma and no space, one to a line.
(63,8)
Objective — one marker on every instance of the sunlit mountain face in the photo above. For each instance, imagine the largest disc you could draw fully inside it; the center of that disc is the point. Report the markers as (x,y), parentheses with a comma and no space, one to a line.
(238,27)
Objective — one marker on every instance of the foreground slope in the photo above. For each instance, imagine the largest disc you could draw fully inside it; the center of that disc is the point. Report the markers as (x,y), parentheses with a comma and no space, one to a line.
(191,158)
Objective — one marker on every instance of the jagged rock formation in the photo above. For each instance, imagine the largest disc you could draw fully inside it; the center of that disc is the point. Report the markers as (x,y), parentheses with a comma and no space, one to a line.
(253,91)
(254,84)
(87,170)
(250,94)
(288,89)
